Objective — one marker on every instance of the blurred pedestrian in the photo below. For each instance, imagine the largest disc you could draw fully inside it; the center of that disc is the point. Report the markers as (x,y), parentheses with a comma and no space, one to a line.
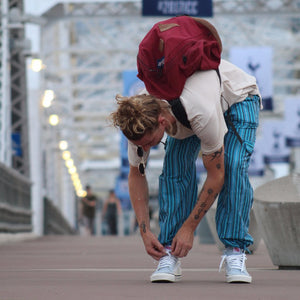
(88,208)
(111,211)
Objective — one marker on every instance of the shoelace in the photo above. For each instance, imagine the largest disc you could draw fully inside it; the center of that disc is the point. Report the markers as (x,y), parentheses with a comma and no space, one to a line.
(166,261)
(236,261)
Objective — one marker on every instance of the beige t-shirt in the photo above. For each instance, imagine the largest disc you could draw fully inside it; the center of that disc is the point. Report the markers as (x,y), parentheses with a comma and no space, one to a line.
(205,101)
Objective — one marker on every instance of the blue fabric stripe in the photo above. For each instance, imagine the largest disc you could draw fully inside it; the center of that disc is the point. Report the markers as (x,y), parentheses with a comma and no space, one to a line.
(177,185)
(236,198)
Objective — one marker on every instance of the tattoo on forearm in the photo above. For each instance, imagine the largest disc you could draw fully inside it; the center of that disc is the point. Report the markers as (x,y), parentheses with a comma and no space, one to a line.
(199,195)
(217,154)
(143,226)
(202,210)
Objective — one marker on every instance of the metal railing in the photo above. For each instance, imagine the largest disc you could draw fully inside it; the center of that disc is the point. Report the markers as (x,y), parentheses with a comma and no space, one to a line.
(15,201)
(54,221)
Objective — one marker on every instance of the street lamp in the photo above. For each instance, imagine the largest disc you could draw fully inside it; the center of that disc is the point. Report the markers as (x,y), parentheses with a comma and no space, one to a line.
(63,145)
(69,163)
(36,65)
(53,120)
(48,97)
(66,155)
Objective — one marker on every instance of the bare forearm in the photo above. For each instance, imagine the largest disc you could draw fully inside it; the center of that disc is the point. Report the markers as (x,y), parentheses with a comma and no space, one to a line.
(206,198)
(212,186)
(138,190)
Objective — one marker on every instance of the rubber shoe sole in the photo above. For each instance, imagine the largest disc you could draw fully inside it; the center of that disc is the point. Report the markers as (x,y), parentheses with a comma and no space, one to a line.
(165,277)
(238,279)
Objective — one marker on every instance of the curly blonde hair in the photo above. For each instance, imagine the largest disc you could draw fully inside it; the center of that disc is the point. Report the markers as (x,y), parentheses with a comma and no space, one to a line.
(137,115)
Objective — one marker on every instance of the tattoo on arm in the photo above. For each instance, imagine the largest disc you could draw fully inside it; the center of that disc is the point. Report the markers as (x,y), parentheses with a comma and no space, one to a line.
(199,195)
(210,194)
(203,206)
(143,226)
(217,154)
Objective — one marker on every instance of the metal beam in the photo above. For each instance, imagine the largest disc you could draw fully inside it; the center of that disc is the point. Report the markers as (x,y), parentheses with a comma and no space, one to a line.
(5,127)
(19,126)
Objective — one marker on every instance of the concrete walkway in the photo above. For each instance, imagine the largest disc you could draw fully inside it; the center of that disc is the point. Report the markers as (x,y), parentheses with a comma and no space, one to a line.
(74,267)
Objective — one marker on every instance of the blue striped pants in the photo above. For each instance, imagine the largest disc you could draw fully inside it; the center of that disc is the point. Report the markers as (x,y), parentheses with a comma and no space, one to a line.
(178,184)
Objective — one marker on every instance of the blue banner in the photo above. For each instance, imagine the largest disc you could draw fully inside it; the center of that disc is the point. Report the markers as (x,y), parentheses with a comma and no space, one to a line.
(257,61)
(132,85)
(201,8)
(257,166)
(275,149)
(124,155)
(292,121)
(122,192)
(16,144)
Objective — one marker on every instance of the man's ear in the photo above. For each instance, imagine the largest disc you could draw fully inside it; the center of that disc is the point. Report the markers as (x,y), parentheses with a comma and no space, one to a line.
(162,120)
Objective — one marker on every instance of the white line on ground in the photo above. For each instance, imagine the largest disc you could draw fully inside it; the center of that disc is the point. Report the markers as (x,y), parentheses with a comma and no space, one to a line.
(122,270)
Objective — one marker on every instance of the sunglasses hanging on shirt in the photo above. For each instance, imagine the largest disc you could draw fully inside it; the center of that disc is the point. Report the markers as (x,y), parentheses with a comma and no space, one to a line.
(142,165)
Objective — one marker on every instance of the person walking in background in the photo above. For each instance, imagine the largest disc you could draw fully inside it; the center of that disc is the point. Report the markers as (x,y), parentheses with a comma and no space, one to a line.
(111,212)
(88,209)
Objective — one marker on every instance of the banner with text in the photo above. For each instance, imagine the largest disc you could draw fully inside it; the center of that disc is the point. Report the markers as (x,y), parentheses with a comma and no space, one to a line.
(201,8)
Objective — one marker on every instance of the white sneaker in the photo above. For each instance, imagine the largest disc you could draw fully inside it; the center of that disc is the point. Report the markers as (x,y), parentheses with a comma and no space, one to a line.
(168,269)
(235,266)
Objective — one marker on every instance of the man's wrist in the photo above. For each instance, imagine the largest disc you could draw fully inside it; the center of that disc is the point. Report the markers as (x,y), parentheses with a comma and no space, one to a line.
(143,227)
(190,225)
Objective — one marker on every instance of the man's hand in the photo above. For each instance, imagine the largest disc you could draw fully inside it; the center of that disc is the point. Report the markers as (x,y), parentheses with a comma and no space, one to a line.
(153,247)
(182,242)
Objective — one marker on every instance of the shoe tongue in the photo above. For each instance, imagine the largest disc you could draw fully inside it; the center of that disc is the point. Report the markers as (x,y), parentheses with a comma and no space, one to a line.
(168,249)
(236,250)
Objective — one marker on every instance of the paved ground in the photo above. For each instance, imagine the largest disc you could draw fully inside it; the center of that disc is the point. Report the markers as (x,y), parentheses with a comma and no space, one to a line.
(74,267)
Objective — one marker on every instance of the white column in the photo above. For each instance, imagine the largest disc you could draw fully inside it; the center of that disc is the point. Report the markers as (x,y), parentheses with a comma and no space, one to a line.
(68,198)
(5,127)
(35,157)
